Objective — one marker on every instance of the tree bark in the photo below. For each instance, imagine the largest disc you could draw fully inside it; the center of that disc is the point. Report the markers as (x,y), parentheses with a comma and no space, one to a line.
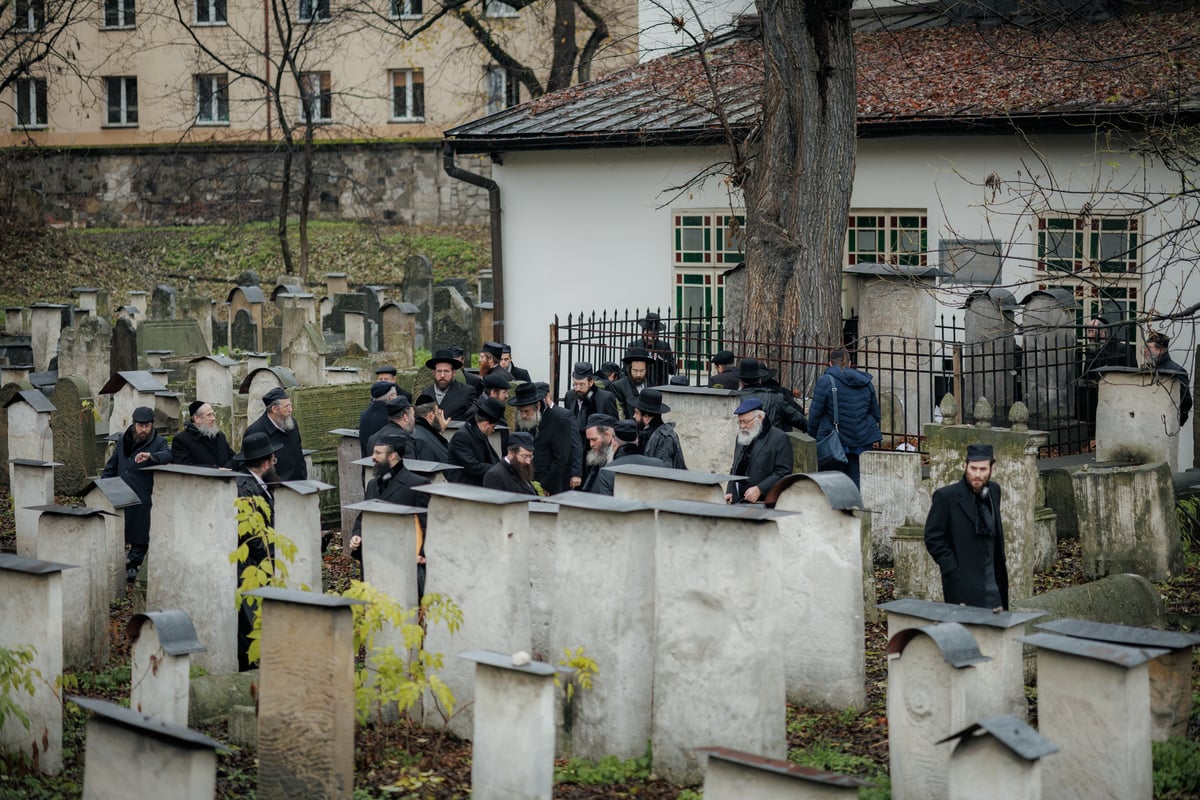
(798,182)
(562,69)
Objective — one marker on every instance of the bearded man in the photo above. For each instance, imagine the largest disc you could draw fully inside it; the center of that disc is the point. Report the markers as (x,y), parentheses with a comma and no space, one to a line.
(612,443)
(762,453)
(627,388)
(514,472)
(391,483)
(279,426)
(586,399)
(138,448)
(452,397)
(558,451)
(201,443)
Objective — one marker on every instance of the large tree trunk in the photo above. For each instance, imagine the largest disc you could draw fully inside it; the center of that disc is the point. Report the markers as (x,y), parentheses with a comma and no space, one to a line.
(565,50)
(797,188)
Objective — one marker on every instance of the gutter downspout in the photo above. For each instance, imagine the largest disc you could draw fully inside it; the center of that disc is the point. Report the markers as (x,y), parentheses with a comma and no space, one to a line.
(493,189)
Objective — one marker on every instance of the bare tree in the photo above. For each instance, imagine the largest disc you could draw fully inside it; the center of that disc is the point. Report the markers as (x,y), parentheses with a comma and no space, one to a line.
(36,32)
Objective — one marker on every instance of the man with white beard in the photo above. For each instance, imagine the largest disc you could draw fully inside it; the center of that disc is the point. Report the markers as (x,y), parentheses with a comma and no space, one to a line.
(201,443)
(612,443)
(558,450)
(278,424)
(763,454)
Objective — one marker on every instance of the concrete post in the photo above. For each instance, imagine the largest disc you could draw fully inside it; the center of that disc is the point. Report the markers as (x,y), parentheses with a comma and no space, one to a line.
(1137,417)
(704,421)
(734,775)
(718,600)
(337,376)
(603,601)
(45,328)
(77,532)
(29,433)
(916,573)
(31,603)
(214,379)
(512,752)
(1127,520)
(298,516)
(192,573)
(998,759)
(651,484)
(543,530)
(135,756)
(113,496)
(389,534)
(892,493)
(160,664)
(350,478)
(14,373)
(306,698)
(33,482)
(356,329)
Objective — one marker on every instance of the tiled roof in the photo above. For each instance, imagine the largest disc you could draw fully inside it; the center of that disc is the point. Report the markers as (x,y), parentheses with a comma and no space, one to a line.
(918,77)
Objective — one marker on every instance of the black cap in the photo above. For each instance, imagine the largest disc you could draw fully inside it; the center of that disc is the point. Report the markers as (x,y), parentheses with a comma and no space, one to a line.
(723,358)
(636,354)
(504,348)
(521,439)
(582,369)
(650,402)
(609,367)
(274,396)
(626,430)
(495,380)
(424,399)
(195,406)
(380,388)
(143,414)
(490,408)
(398,405)
(494,349)
(396,440)
(652,322)
(255,446)
(751,369)
(605,420)
(679,380)
(527,394)
(980,452)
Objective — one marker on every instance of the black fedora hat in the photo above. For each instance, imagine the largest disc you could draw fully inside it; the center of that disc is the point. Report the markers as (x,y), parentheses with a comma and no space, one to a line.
(751,369)
(527,394)
(491,408)
(256,446)
(650,402)
(443,357)
(636,354)
(652,322)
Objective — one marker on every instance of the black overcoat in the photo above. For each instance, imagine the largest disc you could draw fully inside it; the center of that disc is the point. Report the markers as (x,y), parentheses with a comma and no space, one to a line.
(503,477)
(458,400)
(396,489)
(959,551)
(192,448)
(764,461)
(372,418)
(602,480)
(558,452)
(122,465)
(471,450)
(427,444)
(289,459)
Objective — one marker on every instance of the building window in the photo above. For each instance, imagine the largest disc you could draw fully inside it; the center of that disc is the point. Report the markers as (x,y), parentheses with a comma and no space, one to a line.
(212,99)
(503,90)
(31,103)
(316,99)
(211,12)
(405,9)
(122,100)
(888,237)
(30,15)
(498,8)
(118,13)
(408,94)
(708,238)
(971,262)
(314,10)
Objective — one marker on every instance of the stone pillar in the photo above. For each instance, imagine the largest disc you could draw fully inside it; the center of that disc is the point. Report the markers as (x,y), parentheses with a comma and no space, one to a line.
(33,482)
(1094,702)
(356,329)
(603,601)
(77,533)
(113,496)
(29,433)
(336,283)
(1127,520)
(1002,679)
(990,353)
(705,424)
(1049,372)
(298,516)
(651,484)
(350,478)
(85,352)
(136,756)
(160,663)
(998,758)
(512,752)
(822,573)
(892,492)
(478,552)
(214,380)
(734,775)
(85,298)
(932,692)
(400,330)
(1137,417)
(193,573)
(31,603)
(543,529)
(15,321)
(710,614)
(15,373)
(389,534)
(917,575)
(306,696)
(140,302)
(45,324)
(340,376)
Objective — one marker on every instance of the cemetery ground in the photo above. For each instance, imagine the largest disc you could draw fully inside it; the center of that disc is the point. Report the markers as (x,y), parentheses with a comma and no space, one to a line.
(403,760)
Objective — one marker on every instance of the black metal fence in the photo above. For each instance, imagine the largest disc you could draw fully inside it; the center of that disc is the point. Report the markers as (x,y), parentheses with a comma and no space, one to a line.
(1044,370)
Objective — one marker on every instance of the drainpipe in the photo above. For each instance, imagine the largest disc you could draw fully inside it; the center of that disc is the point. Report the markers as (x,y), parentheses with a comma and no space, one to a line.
(493,189)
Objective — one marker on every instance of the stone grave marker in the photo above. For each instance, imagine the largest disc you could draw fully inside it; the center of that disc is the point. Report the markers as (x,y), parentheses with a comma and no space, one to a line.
(418,290)
(124,354)
(243,333)
(336,283)
(390,560)
(350,478)
(16,321)
(998,758)
(917,575)
(87,299)
(33,482)
(512,747)
(303,348)
(77,532)
(399,329)
(259,381)
(214,379)
(892,493)
(1127,520)
(162,302)
(306,697)
(15,373)
(246,318)
(183,337)
(335,322)
(127,391)
(735,775)
(989,354)
(74,424)
(650,484)
(199,307)
(705,424)
(46,323)
(140,301)
(160,664)
(85,352)
(298,516)
(1048,327)
(454,319)
(1137,417)
(355,323)
(341,376)
(543,528)
(30,435)
(112,495)
(31,602)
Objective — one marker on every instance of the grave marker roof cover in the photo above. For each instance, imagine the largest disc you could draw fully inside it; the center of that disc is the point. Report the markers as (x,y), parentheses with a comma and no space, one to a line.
(194,471)
(68,511)
(1120,634)
(1119,654)
(287,378)
(31,566)
(958,646)
(151,726)
(176,633)
(504,661)
(116,490)
(784,768)
(838,489)
(1013,733)
(216,358)
(597,502)
(696,508)
(307,486)
(140,379)
(38,401)
(668,474)
(305,598)
(384,507)
(967,615)
(478,494)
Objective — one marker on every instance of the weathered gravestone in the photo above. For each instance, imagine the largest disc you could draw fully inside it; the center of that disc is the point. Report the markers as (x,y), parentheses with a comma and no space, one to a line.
(183,337)
(77,532)
(261,380)
(162,302)
(90,300)
(989,356)
(418,290)
(892,493)
(16,321)
(30,435)
(32,481)
(454,319)
(74,424)
(705,424)
(303,347)
(736,775)
(543,528)
(160,664)
(350,478)
(298,516)
(127,391)
(46,322)
(214,379)
(85,352)
(243,333)
(355,323)
(1049,376)
(1127,520)
(998,758)
(124,355)
(335,322)
(140,302)
(390,561)
(112,495)
(1137,417)
(399,329)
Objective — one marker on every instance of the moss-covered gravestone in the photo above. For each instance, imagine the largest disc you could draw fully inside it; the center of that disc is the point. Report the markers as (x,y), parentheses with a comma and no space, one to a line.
(74,424)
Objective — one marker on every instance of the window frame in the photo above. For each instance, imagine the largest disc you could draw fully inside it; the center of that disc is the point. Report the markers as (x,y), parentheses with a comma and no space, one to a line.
(125,12)
(396,9)
(888,228)
(414,89)
(510,90)
(324,96)
(318,11)
(128,119)
(40,105)
(218,90)
(29,16)
(212,7)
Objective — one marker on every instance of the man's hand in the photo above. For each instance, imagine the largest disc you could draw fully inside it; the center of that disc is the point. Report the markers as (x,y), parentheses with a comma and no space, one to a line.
(441,419)
(752,494)
(355,542)
(141,458)
(576,482)
(728,499)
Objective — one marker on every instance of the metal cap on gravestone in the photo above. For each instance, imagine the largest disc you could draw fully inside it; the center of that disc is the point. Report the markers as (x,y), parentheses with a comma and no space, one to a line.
(161,663)
(175,631)
(998,758)
(1024,742)
(837,487)
(728,771)
(964,615)
(643,482)
(956,644)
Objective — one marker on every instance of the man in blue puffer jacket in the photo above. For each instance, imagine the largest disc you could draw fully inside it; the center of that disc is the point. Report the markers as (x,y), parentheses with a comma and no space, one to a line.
(857,410)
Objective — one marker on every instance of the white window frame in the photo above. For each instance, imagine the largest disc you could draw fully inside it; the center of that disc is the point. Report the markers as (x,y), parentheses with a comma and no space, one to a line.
(126,15)
(28,92)
(128,111)
(318,10)
(218,88)
(406,9)
(31,18)
(498,9)
(409,94)
(322,93)
(211,7)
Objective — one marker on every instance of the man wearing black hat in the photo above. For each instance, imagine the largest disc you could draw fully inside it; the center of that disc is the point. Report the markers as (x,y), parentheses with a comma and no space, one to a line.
(585,399)
(201,443)
(401,421)
(558,451)
(514,472)
(278,425)
(507,362)
(608,373)
(138,448)
(663,360)
(1159,360)
(496,383)
(490,354)
(783,413)
(470,448)
(658,438)
(375,415)
(392,483)
(429,442)
(611,443)
(256,469)
(636,363)
(725,377)
(452,397)
(964,534)
(388,373)
(762,453)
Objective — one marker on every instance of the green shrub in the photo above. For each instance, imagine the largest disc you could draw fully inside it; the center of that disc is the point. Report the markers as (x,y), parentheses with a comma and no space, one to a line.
(609,769)
(1176,768)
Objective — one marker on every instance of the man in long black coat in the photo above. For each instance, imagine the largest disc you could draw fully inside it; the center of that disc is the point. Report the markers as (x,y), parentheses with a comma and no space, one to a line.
(279,426)
(375,415)
(428,442)
(612,447)
(763,453)
(138,448)
(586,399)
(507,362)
(453,398)
(401,422)
(726,376)
(392,483)
(256,468)
(558,451)
(626,389)
(470,448)
(201,443)
(514,472)
(965,535)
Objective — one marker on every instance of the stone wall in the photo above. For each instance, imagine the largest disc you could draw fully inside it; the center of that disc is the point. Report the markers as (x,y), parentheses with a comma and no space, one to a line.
(388,182)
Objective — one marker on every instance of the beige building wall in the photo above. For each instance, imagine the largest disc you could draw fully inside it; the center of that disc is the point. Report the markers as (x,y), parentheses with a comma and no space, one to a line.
(359,46)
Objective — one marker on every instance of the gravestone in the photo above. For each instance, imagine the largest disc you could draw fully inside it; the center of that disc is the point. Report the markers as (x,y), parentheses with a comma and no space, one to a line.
(46,323)
(735,775)
(124,357)
(892,492)
(112,495)
(1127,520)
(259,381)
(88,299)
(298,516)
(390,560)
(194,305)
(350,478)
(512,748)
(543,528)
(243,333)
(650,484)
(127,391)
(32,481)
(917,575)
(140,301)
(247,323)
(77,532)
(418,290)
(998,758)
(1048,332)
(989,354)
(15,373)
(705,424)
(31,605)
(335,322)
(85,352)
(162,302)
(304,354)
(454,320)
(74,424)
(1137,417)
(214,379)
(336,283)
(30,435)
(183,337)
(373,299)
(306,697)
(355,323)
(399,330)
(341,376)
(162,643)
(484,286)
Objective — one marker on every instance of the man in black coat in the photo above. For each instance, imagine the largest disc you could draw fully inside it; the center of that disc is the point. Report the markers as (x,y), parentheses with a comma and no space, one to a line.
(375,415)
(453,398)
(782,411)
(201,443)
(725,377)
(138,448)
(763,453)
(612,447)
(279,426)
(1159,360)
(428,434)
(586,399)
(401,422)
(470,448)
(514,472)
(507,362)
(558,451)
(964,534)
(662,360)
(635,362)
(392,483)
(256,469)
(657,438)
